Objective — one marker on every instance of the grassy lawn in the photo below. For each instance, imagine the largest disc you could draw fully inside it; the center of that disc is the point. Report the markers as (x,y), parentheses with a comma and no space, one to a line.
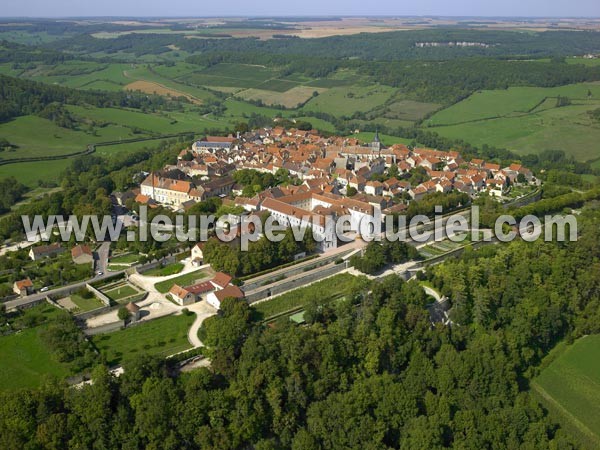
(570,386)
(86,304)
(169,269)
(326,290)
(183,280)
(125,259)
(162,337)
(121,292)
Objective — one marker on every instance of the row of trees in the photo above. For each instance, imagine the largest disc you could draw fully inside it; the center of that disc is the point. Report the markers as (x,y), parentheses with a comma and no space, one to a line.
(261,255)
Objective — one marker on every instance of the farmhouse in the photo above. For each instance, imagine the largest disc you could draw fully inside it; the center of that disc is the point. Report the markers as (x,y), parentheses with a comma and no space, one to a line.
(182,296)
(82,254)
(45,251)
(215,298)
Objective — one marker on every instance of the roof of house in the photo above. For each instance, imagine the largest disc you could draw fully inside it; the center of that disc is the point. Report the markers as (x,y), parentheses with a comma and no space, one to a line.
(46,249)
(80,250)
(200,288)
(219,139)
(222,279)
(229,291)
(178,291)
(22,284)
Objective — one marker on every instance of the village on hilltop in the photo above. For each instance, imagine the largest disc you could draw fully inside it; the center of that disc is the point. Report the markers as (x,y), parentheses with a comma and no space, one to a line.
(331,176)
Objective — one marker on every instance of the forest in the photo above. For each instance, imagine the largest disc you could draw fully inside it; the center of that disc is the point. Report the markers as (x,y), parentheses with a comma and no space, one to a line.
(366,372)
(390,46)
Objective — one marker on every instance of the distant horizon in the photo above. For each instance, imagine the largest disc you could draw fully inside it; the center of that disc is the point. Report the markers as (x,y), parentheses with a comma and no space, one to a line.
(61,9)
(299,16)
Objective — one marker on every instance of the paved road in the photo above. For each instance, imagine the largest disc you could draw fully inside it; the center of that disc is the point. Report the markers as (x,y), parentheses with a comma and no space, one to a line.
(61,291)
(260,282)
(102,257)
(203,311)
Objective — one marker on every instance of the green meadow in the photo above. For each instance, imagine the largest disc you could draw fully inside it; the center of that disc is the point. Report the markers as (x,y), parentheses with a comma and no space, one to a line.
(345,101)
(511,102)
(26,359)
(570,387)
(568,128)
(526,120)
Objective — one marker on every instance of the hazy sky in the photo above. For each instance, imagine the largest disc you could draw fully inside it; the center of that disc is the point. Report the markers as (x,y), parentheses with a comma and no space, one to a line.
(198,8)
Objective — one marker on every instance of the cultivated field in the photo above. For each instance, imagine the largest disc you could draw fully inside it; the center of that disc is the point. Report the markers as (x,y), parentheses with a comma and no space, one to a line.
(325,290)
(409,110)
(231,75)
(570,387)
(341,101)
(512,102)
(290,99)
(150,87)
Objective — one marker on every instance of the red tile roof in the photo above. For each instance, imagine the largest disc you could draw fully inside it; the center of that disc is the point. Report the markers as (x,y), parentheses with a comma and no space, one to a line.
(222,279)
(229,291)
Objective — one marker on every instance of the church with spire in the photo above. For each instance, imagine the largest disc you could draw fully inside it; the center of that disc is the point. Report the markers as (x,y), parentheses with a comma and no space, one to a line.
(376,145)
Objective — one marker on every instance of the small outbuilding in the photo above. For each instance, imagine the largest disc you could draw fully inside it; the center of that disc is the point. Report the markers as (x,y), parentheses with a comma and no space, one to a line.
(23,287)
(134,310)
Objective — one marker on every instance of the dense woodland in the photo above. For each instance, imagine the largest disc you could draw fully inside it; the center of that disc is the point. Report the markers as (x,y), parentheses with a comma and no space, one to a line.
(368,372)
(388,46)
